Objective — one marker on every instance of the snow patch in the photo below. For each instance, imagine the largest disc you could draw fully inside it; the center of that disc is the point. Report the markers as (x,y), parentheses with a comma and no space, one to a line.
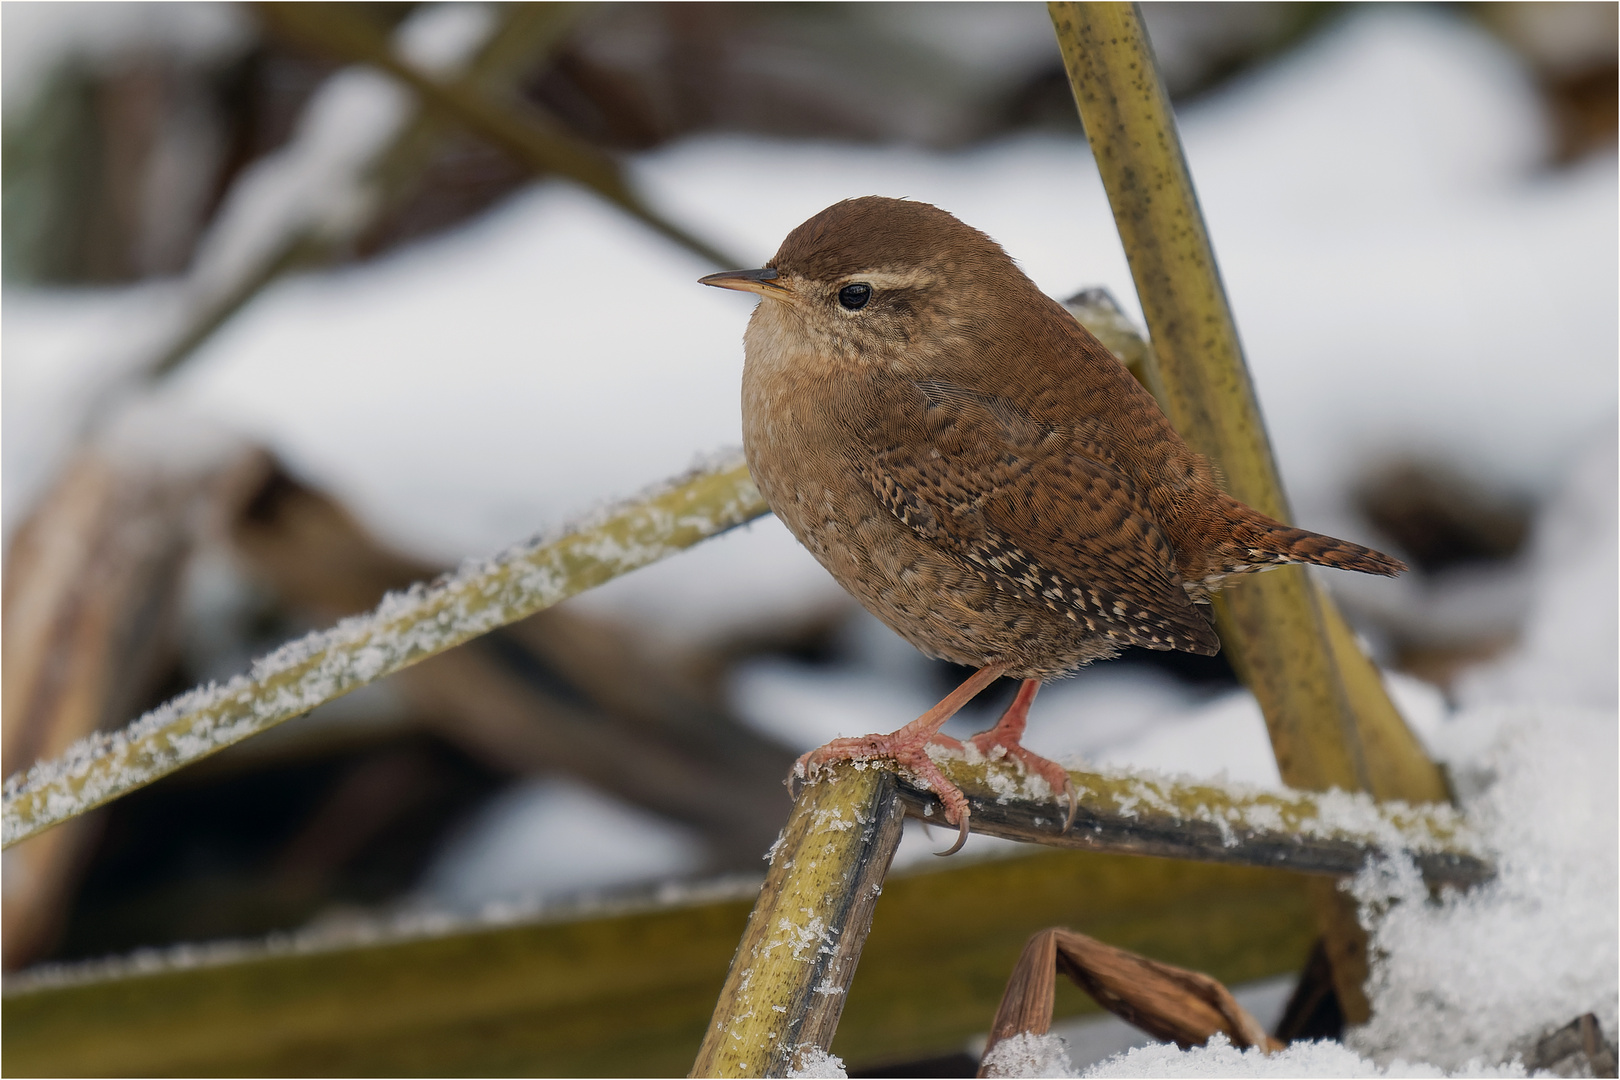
(814,1062)
(1484,973)
(1027,1054)
(1567,653)
(1220,1058)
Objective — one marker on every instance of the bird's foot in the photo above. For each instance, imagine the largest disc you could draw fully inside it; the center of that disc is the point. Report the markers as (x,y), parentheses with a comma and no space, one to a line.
(1056,776)
(1003,741)
(908,749)
(909,754)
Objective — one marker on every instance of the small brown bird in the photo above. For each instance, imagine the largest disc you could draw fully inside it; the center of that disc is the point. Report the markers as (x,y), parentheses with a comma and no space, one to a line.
(979,470)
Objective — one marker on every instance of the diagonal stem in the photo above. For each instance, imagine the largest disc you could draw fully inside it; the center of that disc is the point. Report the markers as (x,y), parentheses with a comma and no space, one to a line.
(792,970)
(1330,720)
(531,138)
(406,628)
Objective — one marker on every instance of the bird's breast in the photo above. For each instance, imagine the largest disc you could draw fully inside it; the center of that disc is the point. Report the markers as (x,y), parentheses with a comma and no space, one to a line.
(793,442)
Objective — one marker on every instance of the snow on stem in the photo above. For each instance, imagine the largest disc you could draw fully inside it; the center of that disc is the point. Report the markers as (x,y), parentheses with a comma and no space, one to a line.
(405,628)
(783,995)
(1138,812)
(785,992)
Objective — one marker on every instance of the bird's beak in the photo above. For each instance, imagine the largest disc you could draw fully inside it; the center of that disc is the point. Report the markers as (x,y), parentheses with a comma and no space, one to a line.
(765,282)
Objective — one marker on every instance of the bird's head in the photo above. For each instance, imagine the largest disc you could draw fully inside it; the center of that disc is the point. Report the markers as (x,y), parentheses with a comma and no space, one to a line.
(878,280)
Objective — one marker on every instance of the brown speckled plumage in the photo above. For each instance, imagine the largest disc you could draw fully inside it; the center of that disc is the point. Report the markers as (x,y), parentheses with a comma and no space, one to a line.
(972,464)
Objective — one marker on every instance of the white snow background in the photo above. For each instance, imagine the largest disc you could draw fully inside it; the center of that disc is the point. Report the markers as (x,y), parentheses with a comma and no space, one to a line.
(1407,277)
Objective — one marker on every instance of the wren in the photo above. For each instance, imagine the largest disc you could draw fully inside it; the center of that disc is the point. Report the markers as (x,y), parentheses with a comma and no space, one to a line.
(979,471)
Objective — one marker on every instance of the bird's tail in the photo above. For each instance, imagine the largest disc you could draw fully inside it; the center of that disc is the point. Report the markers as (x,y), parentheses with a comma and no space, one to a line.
(1256,542)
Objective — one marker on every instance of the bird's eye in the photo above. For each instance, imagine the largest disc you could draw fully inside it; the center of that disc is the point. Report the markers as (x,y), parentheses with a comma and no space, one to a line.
(854,297)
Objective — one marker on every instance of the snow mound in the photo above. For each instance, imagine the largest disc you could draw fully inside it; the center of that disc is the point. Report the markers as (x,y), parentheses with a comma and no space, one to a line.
(1221,1058)
(1029,1055)
(1481,975)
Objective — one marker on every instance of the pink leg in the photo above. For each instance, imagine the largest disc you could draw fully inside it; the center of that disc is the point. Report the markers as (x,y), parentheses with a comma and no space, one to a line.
(908,748)
(1006,735)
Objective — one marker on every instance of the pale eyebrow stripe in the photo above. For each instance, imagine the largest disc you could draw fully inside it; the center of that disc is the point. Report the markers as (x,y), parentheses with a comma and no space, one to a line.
(910,279)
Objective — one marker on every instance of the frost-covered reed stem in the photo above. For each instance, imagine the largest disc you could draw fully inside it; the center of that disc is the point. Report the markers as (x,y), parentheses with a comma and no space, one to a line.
(1142,813)
(788,980)
(405,628)
(1330,720)
(783,995)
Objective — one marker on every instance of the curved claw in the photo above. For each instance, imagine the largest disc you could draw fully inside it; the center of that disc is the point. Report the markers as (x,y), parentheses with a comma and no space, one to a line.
(1074,804)
(961,837)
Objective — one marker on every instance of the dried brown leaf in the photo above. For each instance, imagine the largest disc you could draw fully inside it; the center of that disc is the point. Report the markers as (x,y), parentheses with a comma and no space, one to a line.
(1167,1002)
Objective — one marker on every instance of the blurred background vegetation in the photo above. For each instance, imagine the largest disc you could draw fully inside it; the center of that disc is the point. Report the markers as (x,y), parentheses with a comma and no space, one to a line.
(126,130)
(122,141)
